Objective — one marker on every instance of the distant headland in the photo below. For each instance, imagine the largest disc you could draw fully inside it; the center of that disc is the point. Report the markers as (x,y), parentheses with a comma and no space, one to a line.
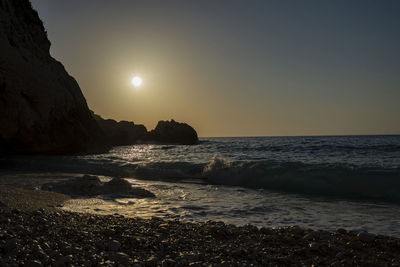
(42,107)
(127,132)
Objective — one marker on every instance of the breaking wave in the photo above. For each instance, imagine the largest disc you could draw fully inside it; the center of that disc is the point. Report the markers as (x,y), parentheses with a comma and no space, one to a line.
(333,180)
(336,180)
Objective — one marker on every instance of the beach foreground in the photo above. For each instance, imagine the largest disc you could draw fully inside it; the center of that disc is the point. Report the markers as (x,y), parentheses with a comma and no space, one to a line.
(41,234)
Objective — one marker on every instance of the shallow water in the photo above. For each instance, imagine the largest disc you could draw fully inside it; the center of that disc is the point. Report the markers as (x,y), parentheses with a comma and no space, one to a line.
(239,206)
(319,182)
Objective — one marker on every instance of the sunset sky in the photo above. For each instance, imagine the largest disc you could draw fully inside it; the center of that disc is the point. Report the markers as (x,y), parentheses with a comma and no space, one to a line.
(235,68)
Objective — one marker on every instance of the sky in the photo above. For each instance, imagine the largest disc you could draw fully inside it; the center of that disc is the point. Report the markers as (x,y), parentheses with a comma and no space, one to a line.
(235,68)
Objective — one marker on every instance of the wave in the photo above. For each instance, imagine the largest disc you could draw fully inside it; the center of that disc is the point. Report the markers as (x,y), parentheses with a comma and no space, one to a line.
(333,180)
(336,180)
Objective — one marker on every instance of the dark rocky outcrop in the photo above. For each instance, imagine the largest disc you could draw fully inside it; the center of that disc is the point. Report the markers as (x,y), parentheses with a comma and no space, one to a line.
(174,132)
(42,109)
(123,132)
(127,133)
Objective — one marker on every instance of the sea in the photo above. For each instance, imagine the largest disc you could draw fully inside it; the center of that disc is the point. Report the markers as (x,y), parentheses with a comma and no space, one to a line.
(318,182)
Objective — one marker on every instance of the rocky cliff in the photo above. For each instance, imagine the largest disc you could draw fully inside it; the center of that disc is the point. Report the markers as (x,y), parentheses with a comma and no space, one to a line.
(123,132)
(42,109)
(128,133)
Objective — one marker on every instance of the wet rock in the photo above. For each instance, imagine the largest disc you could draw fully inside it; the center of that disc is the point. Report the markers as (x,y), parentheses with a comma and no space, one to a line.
(122,186)
(141,192)
(89,185)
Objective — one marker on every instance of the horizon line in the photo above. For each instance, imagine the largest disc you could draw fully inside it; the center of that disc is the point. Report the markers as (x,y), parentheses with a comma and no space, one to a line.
(325,135)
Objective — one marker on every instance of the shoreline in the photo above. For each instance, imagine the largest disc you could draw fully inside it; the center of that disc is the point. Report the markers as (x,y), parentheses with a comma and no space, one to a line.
(33,230)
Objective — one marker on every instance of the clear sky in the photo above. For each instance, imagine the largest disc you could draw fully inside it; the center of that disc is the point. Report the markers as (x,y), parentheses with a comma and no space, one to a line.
(235,68)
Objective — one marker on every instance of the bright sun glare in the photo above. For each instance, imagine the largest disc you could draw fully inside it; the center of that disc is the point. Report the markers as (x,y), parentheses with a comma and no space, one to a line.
(136,81)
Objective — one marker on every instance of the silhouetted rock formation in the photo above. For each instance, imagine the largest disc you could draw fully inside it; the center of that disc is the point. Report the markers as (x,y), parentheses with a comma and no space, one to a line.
(42,109)
(123,132)
(174,132)
(128,133)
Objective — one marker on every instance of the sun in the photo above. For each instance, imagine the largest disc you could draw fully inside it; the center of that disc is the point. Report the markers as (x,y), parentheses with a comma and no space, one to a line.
(136,81)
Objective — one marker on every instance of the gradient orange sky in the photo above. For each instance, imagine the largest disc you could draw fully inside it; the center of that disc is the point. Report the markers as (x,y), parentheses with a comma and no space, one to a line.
(235,68)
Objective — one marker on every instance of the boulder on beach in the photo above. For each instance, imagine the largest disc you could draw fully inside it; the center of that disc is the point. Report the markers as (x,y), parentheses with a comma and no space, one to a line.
(42,108)
(90,185)
(122,186)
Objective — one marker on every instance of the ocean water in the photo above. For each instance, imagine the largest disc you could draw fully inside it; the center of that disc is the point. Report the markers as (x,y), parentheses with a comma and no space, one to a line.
(330,182)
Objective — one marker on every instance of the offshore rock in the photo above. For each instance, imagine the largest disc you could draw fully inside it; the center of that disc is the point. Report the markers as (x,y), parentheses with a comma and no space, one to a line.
(42,109)
(174,132)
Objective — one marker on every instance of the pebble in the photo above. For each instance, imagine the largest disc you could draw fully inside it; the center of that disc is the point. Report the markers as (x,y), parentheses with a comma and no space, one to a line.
(314,246)
(10,245)
(168,263)
(123,258)
(33,263)
(114,245)
(151,261)
(190,257)
(366,237)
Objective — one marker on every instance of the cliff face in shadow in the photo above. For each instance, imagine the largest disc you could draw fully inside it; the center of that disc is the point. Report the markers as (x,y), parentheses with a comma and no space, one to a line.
(42,109)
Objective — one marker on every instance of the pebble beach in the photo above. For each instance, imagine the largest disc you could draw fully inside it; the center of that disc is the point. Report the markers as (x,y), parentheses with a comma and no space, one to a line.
(39,233)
